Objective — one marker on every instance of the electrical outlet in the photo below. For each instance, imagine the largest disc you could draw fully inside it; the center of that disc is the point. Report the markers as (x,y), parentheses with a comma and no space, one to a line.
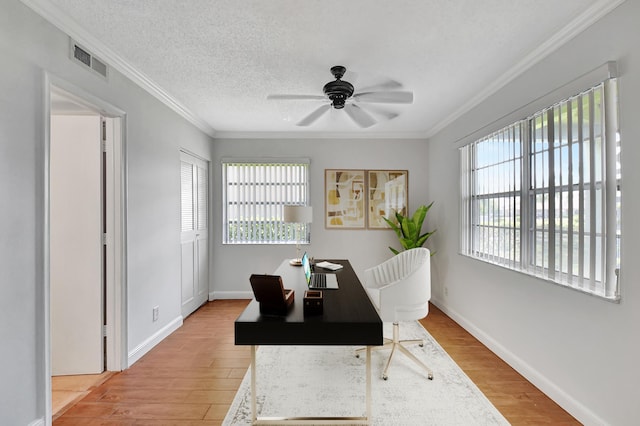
(446,290)
(156,313)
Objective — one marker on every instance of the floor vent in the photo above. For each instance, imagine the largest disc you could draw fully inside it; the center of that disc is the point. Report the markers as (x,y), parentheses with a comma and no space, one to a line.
(86,58)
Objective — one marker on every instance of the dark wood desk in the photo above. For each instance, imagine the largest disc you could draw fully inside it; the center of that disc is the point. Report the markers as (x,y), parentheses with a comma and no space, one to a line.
(349,318)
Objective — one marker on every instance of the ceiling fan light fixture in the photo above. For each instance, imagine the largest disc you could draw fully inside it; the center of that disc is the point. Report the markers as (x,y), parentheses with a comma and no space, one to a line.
(339,92)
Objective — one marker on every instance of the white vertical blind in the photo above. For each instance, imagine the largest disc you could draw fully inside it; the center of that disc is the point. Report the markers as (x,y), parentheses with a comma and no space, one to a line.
(186,195)
(586,269)
(202,189)
(254,194)
(490,196)
(543,195)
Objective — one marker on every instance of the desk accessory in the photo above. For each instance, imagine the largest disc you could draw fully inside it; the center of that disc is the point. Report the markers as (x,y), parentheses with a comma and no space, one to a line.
(270,293)
(328,265)
(313,302)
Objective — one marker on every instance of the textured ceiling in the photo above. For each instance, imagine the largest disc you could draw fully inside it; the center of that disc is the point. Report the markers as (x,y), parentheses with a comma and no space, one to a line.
(220,59)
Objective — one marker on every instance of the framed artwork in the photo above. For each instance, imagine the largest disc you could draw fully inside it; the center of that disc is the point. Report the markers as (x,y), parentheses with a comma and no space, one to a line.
(387,193)
(344,199)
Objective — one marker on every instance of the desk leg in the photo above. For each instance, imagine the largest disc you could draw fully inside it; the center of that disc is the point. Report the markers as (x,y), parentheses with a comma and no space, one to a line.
(254,410)
(368,390)
(310,420)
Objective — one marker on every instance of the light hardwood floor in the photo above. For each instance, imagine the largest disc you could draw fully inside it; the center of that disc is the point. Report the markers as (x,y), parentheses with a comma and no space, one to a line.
(66,391)
(191,377)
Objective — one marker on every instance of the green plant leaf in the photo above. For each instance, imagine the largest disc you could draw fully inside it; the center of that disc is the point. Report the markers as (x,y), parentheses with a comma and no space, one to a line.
(408,243)
(423,239)
(419,215)
(393,226)
(408,229)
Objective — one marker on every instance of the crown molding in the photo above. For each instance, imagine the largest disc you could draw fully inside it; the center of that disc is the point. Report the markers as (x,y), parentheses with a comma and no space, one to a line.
(320,135)
(70,27)
(56,17)
(590,16)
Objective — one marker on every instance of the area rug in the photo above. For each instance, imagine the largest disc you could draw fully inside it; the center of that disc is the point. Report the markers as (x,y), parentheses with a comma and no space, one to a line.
(298,381)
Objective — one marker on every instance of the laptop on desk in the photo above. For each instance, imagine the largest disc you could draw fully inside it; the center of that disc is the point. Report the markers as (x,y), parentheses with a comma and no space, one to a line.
(316,280)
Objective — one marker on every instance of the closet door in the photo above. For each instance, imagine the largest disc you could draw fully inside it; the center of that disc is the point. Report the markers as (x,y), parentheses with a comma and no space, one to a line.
(194,176)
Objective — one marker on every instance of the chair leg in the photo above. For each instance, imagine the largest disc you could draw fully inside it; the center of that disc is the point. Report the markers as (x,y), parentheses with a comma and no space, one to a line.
(394,345)
(397,343)
(387,344)
(416,360)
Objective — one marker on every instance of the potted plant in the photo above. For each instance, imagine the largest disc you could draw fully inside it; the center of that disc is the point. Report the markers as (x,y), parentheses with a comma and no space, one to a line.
(408,229)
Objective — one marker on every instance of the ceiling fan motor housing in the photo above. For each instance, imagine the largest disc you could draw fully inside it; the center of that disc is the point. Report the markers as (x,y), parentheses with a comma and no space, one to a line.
(338,91)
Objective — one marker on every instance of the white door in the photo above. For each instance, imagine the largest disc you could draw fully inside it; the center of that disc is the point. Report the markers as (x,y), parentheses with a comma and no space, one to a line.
(194,189)
(76,245)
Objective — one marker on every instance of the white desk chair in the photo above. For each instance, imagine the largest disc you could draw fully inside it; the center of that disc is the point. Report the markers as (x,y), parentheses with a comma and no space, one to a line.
(400,289)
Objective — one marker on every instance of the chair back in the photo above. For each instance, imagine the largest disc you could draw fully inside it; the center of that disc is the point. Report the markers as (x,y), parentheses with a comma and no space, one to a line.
(401,285)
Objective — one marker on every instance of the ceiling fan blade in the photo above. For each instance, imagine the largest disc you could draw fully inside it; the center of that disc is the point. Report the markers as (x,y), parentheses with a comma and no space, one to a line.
(360,116)
(296,97)
(386,85)
(309,119)
(385,97)
(386,114)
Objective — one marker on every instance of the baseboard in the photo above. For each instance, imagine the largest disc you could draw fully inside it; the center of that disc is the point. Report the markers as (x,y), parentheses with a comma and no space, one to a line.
(37,422)
(156,338)
(553,391)
(230,295)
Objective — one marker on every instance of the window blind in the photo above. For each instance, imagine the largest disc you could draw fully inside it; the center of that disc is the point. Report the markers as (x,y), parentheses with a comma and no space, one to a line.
(543,195)
(493,196)
(202,190)
(186,195)
(254,194)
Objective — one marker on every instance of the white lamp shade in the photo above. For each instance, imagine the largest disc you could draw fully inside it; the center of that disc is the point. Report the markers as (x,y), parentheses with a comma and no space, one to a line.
(297,214)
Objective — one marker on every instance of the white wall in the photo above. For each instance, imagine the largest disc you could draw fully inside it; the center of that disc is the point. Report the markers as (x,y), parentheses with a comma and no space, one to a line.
(29,47)
(232,264)
(581,350)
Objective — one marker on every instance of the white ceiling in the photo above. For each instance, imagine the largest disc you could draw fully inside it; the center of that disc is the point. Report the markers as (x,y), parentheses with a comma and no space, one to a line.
(217,60)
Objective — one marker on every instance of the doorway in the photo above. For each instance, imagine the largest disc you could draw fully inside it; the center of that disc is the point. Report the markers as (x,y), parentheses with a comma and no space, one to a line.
(86,323)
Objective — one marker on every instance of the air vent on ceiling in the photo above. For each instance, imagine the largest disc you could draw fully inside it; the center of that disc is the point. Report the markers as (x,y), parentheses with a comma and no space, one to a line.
(86,58)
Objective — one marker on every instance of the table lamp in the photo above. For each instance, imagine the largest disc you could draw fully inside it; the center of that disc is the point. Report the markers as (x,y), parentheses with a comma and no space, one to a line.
(299,215)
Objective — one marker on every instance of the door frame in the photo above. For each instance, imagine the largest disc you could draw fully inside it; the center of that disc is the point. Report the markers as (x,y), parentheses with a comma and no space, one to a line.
(116,196)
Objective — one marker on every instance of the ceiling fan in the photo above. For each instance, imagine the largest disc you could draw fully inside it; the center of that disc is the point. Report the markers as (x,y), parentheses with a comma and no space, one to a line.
(340,94)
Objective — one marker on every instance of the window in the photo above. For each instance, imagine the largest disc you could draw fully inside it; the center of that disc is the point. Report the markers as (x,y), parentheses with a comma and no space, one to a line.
(542,195)
(253,196)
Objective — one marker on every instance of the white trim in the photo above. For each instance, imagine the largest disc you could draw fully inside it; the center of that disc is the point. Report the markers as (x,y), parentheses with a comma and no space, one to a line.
(46,227)
(356,134)
(194,155)
(118,330)
(67,25)
(53,14)
(229,295)
(116,300)
(116,276)
(582,413)
(575,27)
(265,160)
(144,347)
(37,422)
